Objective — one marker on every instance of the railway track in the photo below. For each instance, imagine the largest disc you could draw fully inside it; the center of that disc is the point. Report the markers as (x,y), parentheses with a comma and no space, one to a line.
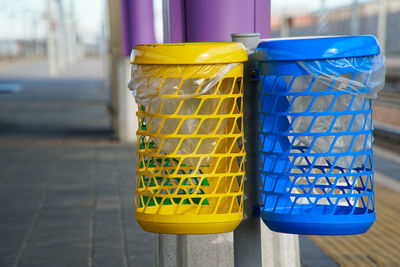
(386,127)
(389,96)
(387,136)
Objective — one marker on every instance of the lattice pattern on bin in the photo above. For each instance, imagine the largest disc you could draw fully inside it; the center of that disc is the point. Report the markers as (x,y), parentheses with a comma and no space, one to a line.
(316,147)
(190,159)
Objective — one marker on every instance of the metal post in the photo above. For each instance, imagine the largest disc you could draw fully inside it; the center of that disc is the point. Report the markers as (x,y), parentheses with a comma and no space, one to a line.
(254,243)
(166,22)
(62,53)
(51,41)
(322,27)
(382,24)
(285,26)
(71,33)
(355,19)
(247,237)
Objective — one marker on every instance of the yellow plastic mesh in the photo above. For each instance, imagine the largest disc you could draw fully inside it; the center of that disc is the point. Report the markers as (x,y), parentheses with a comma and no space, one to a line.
(190,157)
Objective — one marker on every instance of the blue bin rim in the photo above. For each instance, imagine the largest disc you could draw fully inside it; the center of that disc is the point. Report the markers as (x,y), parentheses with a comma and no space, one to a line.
(317,48)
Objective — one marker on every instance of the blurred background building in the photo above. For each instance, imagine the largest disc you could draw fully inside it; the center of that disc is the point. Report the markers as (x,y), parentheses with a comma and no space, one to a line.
(375,17)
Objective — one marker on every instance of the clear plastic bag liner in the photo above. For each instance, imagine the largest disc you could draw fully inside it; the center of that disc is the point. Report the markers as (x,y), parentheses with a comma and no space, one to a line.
(188,127)
(150,83)
(361,77)
(366,74)
(161,88)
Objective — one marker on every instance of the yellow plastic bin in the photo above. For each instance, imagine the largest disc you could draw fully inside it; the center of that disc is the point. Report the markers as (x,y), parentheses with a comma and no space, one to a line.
(190,156)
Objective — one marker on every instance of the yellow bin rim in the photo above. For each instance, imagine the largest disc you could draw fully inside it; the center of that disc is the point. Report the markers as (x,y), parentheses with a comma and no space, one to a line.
(189,53)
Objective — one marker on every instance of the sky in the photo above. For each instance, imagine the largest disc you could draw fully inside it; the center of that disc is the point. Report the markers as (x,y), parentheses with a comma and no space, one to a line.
(27,18)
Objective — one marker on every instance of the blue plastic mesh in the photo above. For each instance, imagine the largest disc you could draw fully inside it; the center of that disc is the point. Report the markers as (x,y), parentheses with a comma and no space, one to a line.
(315,156)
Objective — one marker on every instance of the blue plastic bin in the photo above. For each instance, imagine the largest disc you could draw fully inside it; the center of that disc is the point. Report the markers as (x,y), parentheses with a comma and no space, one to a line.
(315,123)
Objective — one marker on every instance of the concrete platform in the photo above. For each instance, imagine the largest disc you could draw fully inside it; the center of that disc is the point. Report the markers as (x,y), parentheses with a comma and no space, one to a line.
(66,187)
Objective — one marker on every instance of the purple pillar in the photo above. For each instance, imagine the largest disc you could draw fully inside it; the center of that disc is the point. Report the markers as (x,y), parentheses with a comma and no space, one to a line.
(137,24)
(125,25)
(262,17)
(177,21)
(216,20)
(210,20)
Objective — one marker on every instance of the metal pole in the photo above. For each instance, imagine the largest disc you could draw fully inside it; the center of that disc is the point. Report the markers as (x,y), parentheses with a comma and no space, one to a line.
(71,33)
(285,26)
(355,18)
(51,41)
(62,52)
(247,237)
(382,24)
(166,22)
(254,243)
(322,27)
